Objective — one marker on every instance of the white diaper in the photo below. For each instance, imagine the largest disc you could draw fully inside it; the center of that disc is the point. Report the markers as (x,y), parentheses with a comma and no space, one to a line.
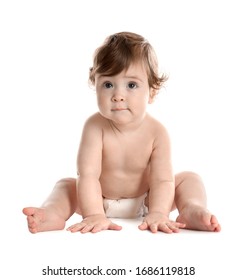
(128,208)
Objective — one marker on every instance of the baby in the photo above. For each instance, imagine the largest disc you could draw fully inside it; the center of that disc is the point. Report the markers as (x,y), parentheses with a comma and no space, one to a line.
(124,160)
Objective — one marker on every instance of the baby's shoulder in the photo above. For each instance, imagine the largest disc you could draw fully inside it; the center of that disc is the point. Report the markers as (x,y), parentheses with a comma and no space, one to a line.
(96,117)
(158,131)
(155,125)
(95,121)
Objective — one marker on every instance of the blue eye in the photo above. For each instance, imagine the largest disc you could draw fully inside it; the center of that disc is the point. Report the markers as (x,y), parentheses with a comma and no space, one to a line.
(108,85)
(132,85)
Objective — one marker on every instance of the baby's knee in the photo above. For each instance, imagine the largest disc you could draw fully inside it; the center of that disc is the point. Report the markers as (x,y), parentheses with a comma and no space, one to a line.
(67,181)
(187,176)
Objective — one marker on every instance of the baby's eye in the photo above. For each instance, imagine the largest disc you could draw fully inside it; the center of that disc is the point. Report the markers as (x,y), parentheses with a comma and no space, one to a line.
(132,85)
(108,85)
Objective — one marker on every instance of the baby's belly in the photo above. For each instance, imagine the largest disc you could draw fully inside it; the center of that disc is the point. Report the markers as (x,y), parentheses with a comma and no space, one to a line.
(117,187)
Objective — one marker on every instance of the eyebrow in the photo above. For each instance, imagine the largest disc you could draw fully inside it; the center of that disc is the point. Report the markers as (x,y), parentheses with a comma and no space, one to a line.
(126,77)
(134,77)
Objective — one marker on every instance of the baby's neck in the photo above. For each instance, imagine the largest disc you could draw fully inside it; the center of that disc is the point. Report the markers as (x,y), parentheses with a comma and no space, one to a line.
(127,127)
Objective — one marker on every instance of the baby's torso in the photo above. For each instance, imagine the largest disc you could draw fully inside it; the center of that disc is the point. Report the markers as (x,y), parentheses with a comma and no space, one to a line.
(126,162)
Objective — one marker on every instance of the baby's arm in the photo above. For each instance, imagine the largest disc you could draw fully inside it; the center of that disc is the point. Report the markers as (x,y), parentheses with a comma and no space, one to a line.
(90,201)
(162,187)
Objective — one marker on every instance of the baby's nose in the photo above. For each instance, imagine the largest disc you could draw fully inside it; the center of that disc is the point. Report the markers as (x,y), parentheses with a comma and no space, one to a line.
(117,98)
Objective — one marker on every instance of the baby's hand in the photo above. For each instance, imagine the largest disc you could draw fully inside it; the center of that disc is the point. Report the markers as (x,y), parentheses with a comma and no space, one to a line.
(94,223)
(159,222)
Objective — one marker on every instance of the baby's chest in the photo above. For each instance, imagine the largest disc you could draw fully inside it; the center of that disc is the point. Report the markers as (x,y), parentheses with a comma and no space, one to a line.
(127,153)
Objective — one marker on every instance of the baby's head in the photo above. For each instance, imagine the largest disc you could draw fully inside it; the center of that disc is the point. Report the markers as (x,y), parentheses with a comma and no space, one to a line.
(119,51)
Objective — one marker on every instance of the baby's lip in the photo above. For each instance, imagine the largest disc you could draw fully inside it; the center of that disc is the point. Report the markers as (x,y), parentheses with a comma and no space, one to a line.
(119,109)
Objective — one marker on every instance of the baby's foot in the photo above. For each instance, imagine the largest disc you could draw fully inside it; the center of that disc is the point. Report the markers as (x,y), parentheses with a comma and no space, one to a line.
(41,219)
(198,218)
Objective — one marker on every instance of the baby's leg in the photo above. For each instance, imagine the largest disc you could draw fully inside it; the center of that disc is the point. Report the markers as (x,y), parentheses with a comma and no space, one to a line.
(54,212)
(191,202)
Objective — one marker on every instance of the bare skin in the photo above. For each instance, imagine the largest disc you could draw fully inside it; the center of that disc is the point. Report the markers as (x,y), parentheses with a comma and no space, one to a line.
(198,218)
(192,216)
(124,153)
(41,219)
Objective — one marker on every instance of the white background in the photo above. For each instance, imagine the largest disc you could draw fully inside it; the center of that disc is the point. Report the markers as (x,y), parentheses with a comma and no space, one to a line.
(46,50)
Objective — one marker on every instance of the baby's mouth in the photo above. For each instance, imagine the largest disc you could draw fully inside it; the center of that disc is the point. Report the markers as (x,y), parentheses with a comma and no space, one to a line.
(119,109)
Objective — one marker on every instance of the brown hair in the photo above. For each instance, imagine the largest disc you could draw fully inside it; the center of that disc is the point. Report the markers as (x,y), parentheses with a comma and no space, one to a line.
(119,51)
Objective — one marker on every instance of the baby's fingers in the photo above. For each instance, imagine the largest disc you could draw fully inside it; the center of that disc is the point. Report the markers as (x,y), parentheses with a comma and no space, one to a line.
(76,227)
(179,225)
(110,226)
(172,227)
(164,227)
(143,226)
(167,227)
(113,226)
(84,228)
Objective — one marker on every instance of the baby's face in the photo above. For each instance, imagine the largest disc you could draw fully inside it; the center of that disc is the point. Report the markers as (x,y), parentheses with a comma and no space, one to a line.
(123,98)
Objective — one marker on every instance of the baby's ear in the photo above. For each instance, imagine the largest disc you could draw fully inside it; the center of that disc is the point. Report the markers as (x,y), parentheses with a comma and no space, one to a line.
(152,95)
